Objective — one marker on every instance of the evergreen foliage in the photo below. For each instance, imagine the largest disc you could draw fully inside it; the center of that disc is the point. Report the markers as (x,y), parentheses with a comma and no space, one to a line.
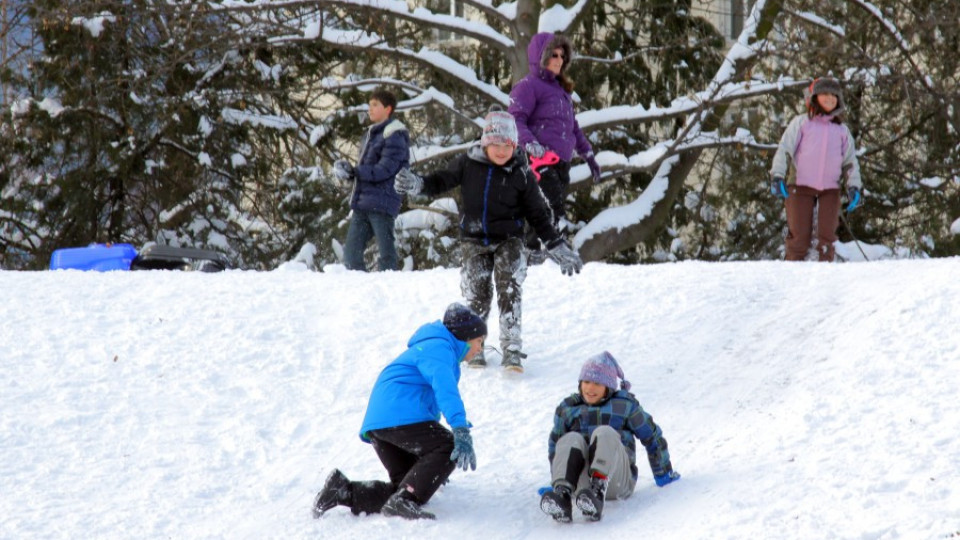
(214,124)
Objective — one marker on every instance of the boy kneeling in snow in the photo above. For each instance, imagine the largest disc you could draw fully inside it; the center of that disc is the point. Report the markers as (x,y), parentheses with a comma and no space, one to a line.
(592,448)
(402,422)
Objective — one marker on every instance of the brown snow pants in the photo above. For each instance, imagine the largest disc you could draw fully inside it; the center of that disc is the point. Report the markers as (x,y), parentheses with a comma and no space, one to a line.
(800,217)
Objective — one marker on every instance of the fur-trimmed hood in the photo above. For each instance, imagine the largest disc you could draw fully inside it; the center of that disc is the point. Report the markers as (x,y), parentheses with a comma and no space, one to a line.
(542,46)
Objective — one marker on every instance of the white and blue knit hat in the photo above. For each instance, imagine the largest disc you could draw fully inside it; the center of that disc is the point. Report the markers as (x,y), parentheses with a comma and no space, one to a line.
(604,369)
(500,128)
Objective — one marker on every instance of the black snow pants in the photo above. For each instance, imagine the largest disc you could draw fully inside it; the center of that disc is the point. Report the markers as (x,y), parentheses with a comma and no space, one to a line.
(415,455)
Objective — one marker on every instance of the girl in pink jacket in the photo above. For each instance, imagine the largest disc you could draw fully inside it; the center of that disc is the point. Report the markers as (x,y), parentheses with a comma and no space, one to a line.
(823,155)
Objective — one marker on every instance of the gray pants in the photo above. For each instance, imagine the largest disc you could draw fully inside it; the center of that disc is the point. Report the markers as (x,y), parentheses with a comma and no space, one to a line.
(503,265)
(609,458)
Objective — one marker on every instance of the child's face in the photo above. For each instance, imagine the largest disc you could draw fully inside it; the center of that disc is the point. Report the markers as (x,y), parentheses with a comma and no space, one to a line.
(592,392)
(476,346)
(500,153)
(828,102)
(378,113)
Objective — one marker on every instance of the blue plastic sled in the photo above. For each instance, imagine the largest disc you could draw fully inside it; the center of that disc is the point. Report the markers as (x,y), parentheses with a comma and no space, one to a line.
(99,257)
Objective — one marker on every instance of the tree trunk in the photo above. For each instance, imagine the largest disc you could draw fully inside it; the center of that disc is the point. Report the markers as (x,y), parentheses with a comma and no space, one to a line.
(528,18)
(613,240)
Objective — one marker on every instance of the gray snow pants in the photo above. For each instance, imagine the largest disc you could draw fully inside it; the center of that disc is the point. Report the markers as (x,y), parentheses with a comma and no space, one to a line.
(503,265)
(575,459)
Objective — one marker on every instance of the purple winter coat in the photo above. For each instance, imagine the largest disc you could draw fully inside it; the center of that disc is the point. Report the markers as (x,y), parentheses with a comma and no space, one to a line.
(542,108)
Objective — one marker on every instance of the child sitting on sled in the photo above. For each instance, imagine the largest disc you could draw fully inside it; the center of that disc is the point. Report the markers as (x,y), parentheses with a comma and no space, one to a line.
(592,447)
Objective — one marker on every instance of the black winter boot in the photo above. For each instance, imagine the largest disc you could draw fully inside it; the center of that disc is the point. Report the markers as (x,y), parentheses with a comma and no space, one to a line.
(401,504)
(557,504)
(336,491)
(478,361)
(513,359)
(590,499)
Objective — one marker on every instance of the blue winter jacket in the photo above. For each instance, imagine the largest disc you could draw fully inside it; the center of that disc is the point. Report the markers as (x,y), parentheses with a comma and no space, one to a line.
(385,150)
(420,384)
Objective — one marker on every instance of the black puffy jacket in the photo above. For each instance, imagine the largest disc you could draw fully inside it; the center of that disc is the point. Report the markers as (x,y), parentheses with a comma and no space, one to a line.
(496,199)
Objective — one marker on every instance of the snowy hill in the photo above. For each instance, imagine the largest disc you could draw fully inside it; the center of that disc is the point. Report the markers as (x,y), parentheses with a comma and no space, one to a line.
(799,400)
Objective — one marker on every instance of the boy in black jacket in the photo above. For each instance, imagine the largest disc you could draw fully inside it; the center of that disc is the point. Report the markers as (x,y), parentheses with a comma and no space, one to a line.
(499,191)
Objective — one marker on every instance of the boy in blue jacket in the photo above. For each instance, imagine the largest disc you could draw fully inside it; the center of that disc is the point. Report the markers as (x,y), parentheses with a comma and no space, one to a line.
(592,449)
(402,422)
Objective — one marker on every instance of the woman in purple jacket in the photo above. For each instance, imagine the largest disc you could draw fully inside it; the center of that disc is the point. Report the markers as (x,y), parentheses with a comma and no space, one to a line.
(542,105)
(822,152)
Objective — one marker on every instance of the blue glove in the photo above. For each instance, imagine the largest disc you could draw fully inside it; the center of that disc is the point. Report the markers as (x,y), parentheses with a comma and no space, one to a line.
(594,167)
(666,478)
(463,449)
(535,149)
(343,170)
(854,196)
(778,187)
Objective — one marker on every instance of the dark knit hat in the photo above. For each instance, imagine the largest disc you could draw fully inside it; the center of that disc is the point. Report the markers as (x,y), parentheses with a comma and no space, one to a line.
(463,323)
(500,128)
(826,85)
(604,369)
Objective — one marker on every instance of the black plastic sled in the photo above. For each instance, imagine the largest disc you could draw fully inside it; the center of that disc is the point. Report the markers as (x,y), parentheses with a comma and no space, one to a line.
(177,258)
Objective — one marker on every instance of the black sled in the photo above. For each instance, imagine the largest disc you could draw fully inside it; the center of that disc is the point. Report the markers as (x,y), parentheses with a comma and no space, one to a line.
(158,257)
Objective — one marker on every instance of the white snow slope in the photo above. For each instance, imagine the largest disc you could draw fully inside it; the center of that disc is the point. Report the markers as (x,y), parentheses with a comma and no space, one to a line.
(799,400)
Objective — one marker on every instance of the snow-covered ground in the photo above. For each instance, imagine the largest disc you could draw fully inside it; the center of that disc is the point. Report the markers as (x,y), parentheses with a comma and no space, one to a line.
(799,400)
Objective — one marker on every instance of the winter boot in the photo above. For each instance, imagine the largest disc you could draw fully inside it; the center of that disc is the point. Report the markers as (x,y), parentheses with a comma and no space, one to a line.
(401,504)
(478,361)
(513,360)
(336,491)
(590,499)
(557,504)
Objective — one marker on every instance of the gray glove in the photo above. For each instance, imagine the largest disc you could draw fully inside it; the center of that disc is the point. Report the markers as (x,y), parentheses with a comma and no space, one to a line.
(343,170)
(567,258)
(408,182)
(534,149)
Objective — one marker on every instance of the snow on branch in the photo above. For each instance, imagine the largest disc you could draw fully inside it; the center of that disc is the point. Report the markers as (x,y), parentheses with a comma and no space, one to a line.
(366,41)
(506,10)
(422,97)
(817,20)
(902,43)
(619,218)
(727,93)
(399,9)
(558,18)
(616,164)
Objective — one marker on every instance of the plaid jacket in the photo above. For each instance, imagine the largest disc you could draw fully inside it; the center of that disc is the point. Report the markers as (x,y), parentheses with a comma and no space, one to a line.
(622,412)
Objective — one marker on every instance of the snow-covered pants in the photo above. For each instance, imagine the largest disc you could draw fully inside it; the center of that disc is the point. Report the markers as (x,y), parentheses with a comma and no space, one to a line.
(800,205)
(415,455)
(574,460)
(505,265)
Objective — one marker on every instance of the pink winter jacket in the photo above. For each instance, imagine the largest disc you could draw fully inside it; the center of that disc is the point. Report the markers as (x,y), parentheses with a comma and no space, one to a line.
(821,151)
